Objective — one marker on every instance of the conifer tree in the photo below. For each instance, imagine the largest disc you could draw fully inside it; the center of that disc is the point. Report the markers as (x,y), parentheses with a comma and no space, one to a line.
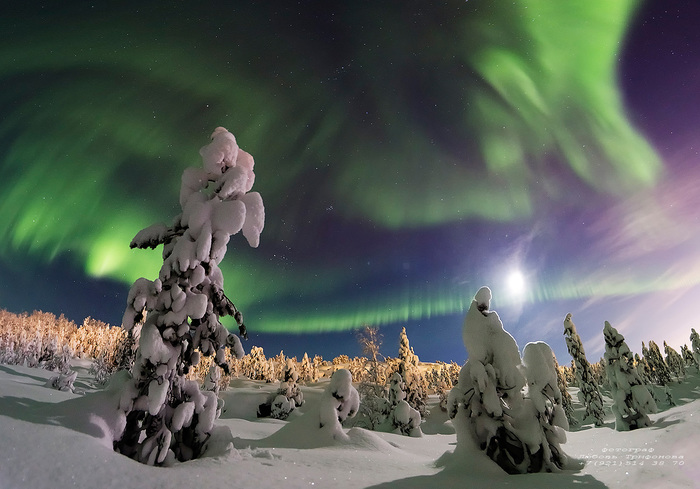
(695,344)
(545,401)
(166,416)
(416,387)
(675,362)
(487,404)
(632,400)
(567,402)
(589,392)
(660,372)
(688,357)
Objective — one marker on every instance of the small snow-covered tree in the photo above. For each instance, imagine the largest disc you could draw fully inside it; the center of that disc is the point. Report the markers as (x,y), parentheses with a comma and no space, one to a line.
(166,416)
(688,357)
(632,400)
(545,403)
(286,398)
(406,420)
(338,402)
(486,405)
(589,392)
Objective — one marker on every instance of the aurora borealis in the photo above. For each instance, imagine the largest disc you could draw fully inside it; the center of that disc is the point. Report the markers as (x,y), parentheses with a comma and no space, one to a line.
(407,154)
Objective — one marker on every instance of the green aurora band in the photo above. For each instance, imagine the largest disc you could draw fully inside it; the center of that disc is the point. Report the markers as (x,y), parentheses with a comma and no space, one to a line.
(419,127)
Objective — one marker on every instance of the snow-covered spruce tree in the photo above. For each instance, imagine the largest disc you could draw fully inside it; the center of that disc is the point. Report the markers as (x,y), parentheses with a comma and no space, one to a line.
(695,345)
(589,393)
(567,402)
(659,370)
(632,400)
(487,405)
(545,403)
(166,416)
(688,357)
(675,362)
(416,387)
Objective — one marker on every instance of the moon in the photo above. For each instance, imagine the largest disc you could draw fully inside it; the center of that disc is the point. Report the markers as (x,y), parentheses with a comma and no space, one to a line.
(516,283)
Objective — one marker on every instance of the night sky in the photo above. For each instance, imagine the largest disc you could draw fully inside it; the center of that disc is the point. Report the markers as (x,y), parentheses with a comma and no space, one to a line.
(407,154)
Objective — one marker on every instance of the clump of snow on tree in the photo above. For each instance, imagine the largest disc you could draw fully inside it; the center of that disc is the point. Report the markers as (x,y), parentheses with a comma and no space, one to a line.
(167,417)
(632,399)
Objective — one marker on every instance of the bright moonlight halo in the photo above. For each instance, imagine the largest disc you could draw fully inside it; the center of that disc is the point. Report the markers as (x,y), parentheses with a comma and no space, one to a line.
(516,283)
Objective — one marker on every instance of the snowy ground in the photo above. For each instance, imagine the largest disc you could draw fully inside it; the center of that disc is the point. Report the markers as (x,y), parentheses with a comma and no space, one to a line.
(54,440)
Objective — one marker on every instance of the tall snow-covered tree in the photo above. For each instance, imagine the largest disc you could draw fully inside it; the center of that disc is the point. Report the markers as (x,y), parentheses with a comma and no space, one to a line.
(166,416)
(589,392)
(567,402)
(695,344)
(632,400)
(416,387)
(487,404)
(660,372)
(674,361)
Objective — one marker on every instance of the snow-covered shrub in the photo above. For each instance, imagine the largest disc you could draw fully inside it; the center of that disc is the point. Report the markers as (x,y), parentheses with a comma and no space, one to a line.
(406,420)
(287,398)
(338,402)
(589,392)
(544,401)
(395,413)
(374,405)
(631,397)
(63,381)
(167,417)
